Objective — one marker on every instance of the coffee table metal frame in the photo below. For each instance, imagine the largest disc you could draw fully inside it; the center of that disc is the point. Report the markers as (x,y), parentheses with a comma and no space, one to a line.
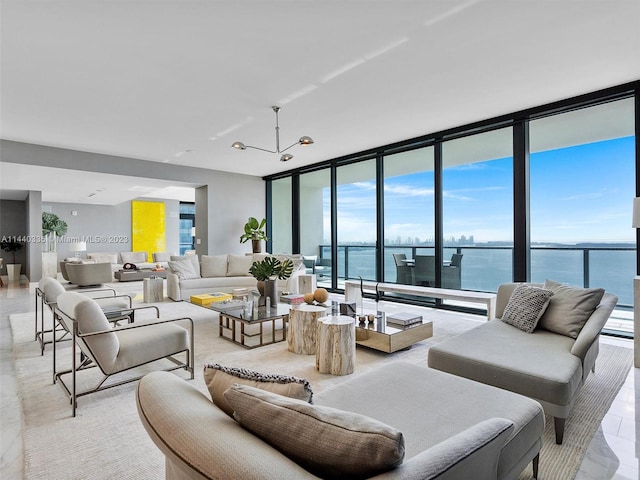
(388,337)
(230,320)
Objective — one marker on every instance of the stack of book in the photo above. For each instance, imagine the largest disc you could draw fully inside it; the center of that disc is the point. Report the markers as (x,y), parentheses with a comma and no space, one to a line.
(209,298)
(403,318)
(293,299)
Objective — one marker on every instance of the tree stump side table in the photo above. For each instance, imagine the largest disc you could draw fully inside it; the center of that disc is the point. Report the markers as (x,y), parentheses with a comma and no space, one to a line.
(336,345)
(301,334)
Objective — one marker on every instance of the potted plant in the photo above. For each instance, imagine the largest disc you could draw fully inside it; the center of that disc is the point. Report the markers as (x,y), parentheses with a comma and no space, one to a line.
(52,227)
(267,272)
(254,231)
(13,269)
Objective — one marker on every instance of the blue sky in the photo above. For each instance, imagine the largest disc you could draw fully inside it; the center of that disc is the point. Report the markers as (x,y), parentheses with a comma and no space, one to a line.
(578,194)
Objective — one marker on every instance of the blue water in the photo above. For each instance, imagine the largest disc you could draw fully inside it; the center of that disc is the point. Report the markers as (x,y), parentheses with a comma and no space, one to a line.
(486,269)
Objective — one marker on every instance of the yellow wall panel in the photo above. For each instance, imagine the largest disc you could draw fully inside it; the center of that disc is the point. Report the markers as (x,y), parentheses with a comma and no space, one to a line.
(148,227)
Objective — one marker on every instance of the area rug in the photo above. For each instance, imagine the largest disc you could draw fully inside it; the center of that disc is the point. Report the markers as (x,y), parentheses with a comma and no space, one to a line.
(106,439)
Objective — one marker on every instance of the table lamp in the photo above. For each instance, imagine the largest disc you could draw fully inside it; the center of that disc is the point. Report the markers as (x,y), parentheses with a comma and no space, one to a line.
(77,247)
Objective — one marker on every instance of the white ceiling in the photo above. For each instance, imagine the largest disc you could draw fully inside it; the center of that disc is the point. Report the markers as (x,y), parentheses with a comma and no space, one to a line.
(178,81)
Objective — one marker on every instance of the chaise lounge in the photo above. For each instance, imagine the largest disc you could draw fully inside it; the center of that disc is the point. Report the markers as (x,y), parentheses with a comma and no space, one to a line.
(549,363)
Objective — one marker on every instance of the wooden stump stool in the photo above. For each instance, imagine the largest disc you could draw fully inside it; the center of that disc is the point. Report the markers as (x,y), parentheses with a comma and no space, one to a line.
(301,335)
(336,345)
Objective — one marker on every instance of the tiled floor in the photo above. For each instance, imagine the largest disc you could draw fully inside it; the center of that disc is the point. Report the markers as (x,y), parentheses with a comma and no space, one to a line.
(612,454)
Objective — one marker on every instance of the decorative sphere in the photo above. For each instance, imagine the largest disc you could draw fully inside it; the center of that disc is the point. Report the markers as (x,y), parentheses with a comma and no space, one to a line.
(321,295)
(308,298)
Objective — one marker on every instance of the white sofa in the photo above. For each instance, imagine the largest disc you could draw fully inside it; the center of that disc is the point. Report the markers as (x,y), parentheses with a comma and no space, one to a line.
(223,273)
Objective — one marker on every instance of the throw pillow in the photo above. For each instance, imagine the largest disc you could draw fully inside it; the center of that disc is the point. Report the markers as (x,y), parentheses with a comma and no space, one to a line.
(213,266)
(239,265)
(328,442)
(133,257)
(195,262)
(183,269)
(525,307)
(219,378)
(569,308)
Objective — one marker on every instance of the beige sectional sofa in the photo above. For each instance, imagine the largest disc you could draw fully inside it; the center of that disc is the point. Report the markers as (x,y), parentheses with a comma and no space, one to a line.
(445,427)
(221,273)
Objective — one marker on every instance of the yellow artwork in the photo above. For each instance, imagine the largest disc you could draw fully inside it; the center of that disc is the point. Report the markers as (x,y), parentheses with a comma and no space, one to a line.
(148,227)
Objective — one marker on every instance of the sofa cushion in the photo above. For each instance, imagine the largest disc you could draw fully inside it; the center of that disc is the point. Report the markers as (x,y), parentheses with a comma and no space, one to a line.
(569,308)
(526,305)
(161,257)
(104,257)
(538,365)
(328,442)
(133,257)
(184,269)
(219,378)
(195,261)
(213,266)
(239,265)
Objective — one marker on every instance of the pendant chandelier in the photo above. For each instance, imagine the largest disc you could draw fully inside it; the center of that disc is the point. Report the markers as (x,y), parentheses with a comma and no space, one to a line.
(305,140)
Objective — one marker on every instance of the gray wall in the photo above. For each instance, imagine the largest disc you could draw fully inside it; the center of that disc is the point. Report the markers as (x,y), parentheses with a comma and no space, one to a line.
(223,204)
(13,223)
(107,228)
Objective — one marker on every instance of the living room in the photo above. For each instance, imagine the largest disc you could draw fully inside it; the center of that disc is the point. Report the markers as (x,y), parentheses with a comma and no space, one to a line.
(153,102)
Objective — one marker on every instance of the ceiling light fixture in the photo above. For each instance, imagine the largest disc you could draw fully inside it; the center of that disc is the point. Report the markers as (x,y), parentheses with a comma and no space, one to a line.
(305,140)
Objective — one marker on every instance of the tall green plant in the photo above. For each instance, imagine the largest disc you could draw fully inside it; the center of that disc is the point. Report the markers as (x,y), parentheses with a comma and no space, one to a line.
(254,230)
(11,247)
(52,223)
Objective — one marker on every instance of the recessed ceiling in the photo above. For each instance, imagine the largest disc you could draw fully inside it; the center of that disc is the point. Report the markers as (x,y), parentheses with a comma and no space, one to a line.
(178,81)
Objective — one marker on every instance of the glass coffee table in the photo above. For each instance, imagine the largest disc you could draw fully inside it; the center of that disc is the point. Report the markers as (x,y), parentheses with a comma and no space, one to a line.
(248,330)
(388,337)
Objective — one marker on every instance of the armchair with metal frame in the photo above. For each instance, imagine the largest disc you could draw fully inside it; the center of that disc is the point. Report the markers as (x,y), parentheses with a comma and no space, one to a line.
(115,350)
(117,307)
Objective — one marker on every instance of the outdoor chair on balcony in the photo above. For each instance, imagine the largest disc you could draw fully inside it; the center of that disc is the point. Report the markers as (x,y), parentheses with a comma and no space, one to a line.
(425,270)
(117,350)
(452,273)
(404,272)
(310,263)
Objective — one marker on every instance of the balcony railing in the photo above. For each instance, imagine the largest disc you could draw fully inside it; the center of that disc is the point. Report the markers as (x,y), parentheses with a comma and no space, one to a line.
(484,268)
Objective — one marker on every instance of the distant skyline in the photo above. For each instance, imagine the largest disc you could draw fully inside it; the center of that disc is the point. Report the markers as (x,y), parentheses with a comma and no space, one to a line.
(578,194)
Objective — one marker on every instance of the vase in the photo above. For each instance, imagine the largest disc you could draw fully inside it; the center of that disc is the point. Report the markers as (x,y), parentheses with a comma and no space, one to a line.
(271,291)
(13,272)
(256,246)
(51,242)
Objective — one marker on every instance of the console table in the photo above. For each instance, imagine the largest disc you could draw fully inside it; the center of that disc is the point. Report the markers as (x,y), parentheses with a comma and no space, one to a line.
(352,293)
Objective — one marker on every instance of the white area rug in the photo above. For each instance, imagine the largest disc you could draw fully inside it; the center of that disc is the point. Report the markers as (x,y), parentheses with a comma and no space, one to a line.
(106,440)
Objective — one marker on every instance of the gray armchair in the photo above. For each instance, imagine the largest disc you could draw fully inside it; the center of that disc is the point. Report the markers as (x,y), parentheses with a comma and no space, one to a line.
(89,274)
(117,350)
(116,307)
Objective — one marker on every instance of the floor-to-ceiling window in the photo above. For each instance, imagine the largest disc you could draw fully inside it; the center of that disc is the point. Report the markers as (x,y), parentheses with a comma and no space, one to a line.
(315,224)
(582,182)
(477,199)
(357,224)
(187,229)
(540,193)
(281,218)
(408,212)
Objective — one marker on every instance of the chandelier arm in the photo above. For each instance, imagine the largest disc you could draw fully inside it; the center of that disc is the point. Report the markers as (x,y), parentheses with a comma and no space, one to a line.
(263,149)
(290,146)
